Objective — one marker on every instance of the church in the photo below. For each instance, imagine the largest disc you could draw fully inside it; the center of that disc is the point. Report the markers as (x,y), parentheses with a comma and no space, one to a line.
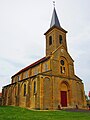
(49,82)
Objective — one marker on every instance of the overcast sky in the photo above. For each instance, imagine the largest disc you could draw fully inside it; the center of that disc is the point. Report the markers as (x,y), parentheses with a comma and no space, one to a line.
(22,41)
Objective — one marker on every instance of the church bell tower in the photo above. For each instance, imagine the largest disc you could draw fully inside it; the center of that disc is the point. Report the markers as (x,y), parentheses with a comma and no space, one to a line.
(55,36)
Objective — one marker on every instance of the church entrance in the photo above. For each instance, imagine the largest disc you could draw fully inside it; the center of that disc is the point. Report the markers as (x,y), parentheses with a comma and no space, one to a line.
(64,94)
(64,98)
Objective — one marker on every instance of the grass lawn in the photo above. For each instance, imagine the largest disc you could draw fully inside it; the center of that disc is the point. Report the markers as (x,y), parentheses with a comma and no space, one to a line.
(17,113)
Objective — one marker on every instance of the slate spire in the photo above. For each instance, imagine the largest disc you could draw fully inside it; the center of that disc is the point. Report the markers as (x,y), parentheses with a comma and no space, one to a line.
(55,20)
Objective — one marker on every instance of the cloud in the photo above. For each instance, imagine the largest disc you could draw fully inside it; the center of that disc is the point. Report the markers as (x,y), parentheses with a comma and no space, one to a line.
(12,62)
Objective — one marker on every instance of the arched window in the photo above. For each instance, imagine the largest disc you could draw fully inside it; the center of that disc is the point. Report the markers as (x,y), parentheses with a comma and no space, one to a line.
(24,89)
(50,40)
(60,39)
(34,87)
(62,67)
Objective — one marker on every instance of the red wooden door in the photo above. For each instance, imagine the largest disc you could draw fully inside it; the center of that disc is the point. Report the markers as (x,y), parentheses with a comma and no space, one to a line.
(64,98)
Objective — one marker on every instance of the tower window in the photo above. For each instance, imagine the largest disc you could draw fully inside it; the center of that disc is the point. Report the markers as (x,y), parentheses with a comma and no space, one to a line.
(24,89)
(60,39)
(50,40)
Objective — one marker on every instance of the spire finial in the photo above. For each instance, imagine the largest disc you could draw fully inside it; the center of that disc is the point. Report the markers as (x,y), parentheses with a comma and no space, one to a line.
(53,3)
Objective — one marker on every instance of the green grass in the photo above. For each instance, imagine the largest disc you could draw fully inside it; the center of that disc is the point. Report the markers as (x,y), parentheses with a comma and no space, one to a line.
(17,113)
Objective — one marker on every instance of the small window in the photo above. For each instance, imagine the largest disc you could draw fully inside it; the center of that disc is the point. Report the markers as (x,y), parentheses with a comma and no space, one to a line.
(64,68)
(62,62)
(50,40)
(60,39)
(24,89)
(34,87)
(61,69)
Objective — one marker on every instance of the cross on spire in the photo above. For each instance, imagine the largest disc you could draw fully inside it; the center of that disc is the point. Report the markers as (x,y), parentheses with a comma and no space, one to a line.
(54,3)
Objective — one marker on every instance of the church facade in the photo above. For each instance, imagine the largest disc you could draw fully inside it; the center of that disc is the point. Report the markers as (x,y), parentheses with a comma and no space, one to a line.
(49,82)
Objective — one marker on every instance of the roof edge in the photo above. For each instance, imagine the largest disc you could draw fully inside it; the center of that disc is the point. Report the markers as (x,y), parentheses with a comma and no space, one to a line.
(32,65)
(57,28)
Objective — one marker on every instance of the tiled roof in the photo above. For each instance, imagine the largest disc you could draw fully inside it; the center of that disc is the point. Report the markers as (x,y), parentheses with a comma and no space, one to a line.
(32,65)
